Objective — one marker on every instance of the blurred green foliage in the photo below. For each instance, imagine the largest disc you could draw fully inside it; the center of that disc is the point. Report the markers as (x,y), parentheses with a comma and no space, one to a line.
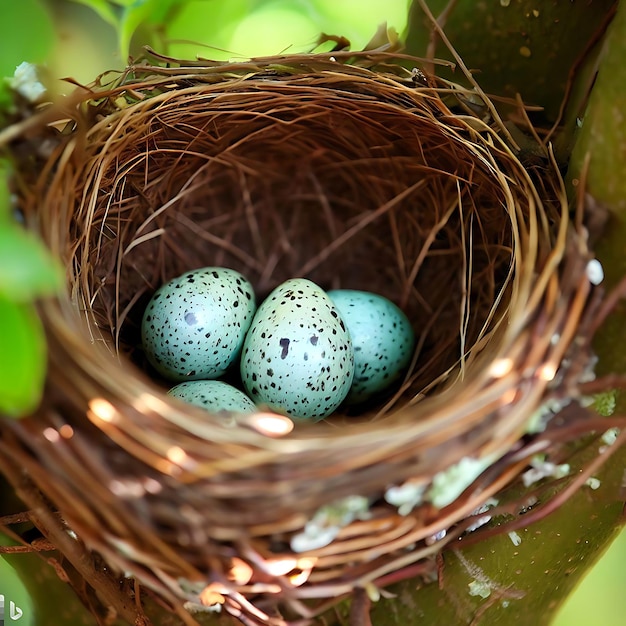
(216,29)
(26,34)
(599,599)
(27,271)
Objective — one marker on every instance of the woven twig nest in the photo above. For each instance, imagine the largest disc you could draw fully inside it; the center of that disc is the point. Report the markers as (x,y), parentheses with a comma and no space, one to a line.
(348,170)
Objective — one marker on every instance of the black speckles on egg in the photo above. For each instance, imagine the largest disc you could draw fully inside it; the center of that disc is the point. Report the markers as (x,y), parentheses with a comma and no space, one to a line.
(301,333)
(284,344)
(194,326)
(382,339)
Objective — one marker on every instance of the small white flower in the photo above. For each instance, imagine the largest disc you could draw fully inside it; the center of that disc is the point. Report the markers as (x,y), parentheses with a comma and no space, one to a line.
(26,82)
(593,483)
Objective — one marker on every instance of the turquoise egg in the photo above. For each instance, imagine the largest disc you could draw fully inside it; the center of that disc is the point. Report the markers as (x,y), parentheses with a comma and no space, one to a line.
(213,395)
(382,340)
(297,356)
(194,326)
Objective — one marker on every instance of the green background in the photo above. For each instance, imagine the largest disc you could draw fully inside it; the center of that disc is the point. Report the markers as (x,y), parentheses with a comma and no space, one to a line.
(73,40)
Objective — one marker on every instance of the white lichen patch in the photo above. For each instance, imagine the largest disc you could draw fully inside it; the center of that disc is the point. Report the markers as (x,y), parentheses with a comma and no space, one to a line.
(450,484)
(593,483)
(610,436)
(313,537)
(26,82)
(479,588)
(328,521)
(406,497)
(515,538)
(196,607)
(540,469)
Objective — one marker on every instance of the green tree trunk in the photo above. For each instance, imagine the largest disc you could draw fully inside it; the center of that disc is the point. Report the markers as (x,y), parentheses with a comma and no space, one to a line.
(514,47)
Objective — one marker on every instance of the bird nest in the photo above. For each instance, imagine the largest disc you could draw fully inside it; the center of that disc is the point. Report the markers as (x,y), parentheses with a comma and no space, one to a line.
(355,171)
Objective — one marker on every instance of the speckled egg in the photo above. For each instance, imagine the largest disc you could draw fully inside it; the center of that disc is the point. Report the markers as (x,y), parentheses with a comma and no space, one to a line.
(297,356)
(382,338)
(213,395)
(194,326)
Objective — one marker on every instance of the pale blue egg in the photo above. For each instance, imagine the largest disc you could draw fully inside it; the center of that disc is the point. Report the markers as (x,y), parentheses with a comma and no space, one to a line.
(213,395)
(194,326)
(382,339)
(297,356)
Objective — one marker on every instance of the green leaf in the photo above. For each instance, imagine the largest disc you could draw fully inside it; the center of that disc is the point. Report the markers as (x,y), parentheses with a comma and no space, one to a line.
(27,269)
(141,13)
(210,25)
(104,9)
(26,33)
(22,358)
(127,16)
(133,17)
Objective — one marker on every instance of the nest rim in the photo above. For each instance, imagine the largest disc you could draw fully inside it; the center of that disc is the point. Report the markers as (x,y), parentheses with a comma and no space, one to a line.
(536,245)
